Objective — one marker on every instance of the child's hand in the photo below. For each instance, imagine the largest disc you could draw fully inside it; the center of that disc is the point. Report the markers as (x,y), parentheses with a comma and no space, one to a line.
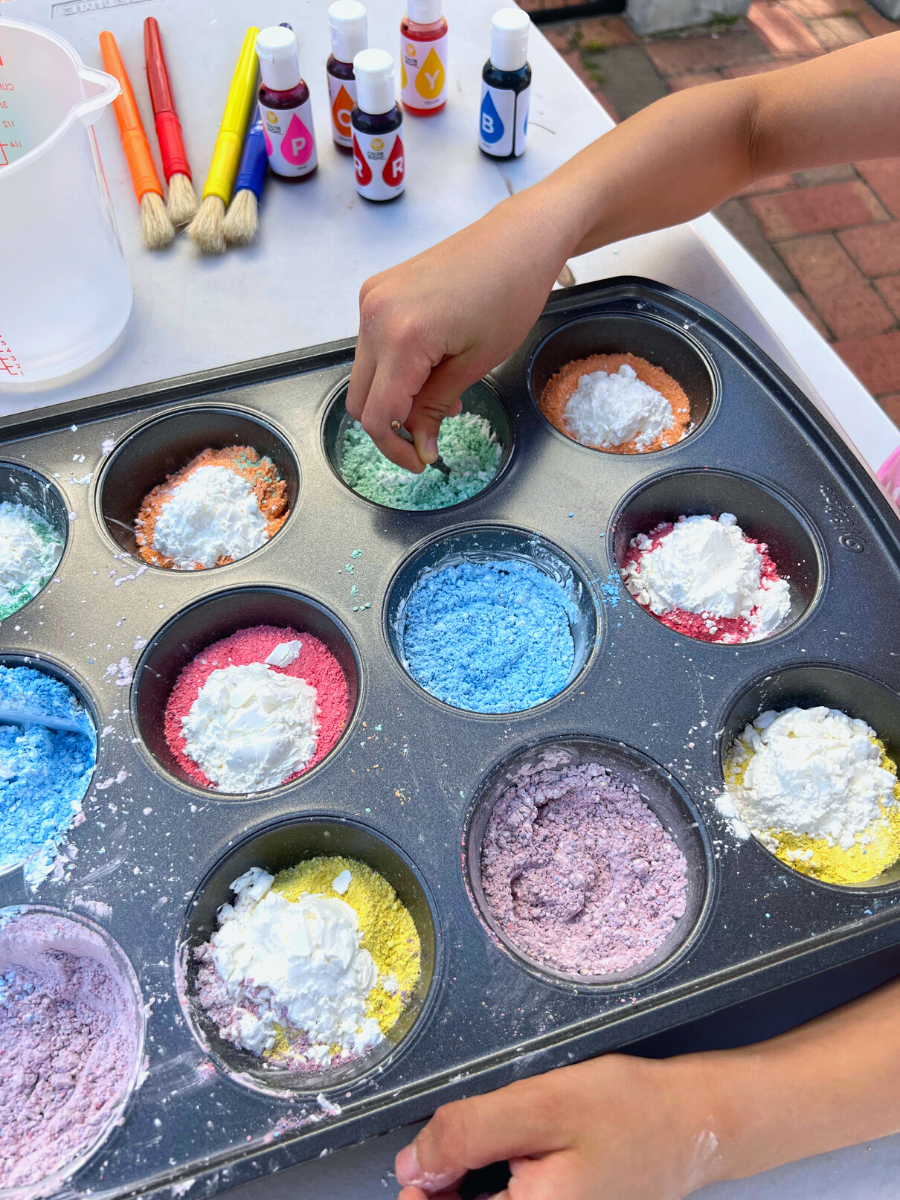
(614,1128)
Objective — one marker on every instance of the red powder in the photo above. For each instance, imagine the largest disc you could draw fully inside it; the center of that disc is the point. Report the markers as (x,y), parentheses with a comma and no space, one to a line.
(315,663)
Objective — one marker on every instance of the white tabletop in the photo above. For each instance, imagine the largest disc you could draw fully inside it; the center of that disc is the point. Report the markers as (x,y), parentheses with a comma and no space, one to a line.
(298,287)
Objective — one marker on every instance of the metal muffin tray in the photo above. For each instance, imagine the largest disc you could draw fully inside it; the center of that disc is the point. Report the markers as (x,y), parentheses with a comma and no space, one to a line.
(408,787)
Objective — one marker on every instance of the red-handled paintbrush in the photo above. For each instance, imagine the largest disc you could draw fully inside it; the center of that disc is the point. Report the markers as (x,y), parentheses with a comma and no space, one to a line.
(182,203)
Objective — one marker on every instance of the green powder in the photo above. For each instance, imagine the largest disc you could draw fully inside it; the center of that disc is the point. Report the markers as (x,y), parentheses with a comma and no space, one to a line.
(467,445)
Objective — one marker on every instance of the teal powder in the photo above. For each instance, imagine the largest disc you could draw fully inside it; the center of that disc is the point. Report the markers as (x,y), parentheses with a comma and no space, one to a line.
(490,637)
(467,445)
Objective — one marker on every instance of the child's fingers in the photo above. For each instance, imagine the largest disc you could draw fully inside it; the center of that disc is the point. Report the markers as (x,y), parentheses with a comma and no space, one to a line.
(397,379)
(439,398)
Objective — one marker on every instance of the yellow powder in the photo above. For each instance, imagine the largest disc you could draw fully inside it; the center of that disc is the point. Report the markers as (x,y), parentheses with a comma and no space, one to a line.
(876,848)
(386,929)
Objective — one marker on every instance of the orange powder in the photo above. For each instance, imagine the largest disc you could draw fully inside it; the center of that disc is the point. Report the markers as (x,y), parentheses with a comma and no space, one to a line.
(559,389)
(261,473)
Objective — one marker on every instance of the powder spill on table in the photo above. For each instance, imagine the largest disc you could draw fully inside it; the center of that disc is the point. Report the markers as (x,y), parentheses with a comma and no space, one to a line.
(489,636)
(69,1046)
(310,968)
(29,553)
(578,871)
(44,773)
(240,720)
(467,445)
(704,577)
(819,790)
(617,402)
(219,508)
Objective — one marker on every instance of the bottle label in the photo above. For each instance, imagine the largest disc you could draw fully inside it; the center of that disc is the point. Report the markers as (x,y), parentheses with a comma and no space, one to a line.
(290,142)
(342,93)
(380,167)
(503,120)
(423,72)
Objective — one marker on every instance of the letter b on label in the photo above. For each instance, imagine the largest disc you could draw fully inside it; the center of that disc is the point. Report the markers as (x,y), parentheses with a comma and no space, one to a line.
(492,129)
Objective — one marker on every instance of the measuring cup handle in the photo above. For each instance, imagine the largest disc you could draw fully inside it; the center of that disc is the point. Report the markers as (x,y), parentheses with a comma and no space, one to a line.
(89,110)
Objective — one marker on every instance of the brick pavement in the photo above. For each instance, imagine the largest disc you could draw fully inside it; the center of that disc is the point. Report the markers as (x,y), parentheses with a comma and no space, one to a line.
(829,237)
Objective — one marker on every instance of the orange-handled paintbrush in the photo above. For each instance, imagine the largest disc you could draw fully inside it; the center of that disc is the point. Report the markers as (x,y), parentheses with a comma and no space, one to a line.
(156,227)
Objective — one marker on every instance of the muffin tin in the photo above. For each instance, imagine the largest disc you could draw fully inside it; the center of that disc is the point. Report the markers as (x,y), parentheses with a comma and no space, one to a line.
(409,786)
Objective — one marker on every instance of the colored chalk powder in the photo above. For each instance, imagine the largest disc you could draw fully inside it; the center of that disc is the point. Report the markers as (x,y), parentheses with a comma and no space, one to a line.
(312,967)
(578,871)
(30,551)
(70,1045)
(489,636)
(256,709)
(219,508)
(44,773)
(467,445)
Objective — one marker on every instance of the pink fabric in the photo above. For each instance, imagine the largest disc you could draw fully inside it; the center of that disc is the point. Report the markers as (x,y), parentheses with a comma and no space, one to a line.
(889,474)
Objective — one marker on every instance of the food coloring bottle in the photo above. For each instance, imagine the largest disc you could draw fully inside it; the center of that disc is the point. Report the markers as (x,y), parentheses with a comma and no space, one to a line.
(284,106)
(423,58)
(377,124)
(349,35)
(506,86)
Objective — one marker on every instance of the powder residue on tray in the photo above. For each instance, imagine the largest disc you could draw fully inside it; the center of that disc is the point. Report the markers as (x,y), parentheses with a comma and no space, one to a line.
(29,553)
(219,508)
(44,773)
(489,636)
(69,1047)
(578,871)
(467,445)
(310,968)
(617,402)
(703,577)
(256,709)
(819,790)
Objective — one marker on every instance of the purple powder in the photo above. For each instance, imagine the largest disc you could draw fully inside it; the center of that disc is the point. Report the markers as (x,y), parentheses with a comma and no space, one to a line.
(69,1047)
(578,871)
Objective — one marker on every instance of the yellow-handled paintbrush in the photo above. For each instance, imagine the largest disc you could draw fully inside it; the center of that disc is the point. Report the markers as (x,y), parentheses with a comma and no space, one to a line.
(206,228)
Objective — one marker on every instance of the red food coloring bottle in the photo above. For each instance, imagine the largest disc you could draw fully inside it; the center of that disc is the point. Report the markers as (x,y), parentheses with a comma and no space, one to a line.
(284,106)
(377,125)
(423,58)
(349,36)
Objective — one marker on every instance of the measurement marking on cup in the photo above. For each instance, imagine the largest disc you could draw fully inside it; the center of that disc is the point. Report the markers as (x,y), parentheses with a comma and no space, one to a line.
(8,361)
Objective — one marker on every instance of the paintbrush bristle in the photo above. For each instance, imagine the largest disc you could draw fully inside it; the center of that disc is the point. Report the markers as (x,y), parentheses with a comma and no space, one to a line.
(205,231)
(156,228)
(182,204)
(242,219)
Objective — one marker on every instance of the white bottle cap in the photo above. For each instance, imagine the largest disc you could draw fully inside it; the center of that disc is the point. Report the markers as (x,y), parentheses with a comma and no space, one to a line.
(509,39)
(349,29)
(374,72)
(279,62)
(424,12)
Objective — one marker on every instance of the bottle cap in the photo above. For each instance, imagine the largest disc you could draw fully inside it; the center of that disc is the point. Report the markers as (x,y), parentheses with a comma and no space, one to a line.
(374,72)
(424,12)
(279,62)
(509,39)
(349,29)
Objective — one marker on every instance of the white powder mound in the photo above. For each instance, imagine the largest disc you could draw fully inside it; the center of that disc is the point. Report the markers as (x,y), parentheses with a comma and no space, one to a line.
(812,771)
(706,566)
(300,962)
(607,410)
(251,727)
(213,514)
(27,560)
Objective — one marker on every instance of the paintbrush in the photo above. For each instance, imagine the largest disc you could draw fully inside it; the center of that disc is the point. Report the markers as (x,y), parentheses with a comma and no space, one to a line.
(156,228)
(182,203)
(438,463)
(241,225)
(206,228)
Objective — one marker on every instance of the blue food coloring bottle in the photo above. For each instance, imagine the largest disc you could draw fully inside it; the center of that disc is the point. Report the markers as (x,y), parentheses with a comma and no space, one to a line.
(506,86)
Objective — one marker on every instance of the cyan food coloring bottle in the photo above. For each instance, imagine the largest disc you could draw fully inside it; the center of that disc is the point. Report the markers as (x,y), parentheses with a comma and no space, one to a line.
(423,58)
(284,105)
(377,124)
(506,86)
(349,36)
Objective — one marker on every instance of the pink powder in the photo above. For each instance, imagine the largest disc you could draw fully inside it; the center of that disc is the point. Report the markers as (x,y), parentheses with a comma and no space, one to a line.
(316,664)
(69,1046)
(579,872)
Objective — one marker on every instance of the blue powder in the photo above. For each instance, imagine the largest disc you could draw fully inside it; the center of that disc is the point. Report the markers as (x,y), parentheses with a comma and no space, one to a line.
(490,637)
(44,773)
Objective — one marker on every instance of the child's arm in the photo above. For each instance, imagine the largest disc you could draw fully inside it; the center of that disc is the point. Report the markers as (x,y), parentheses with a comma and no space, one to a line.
(620,1128)
(432,326)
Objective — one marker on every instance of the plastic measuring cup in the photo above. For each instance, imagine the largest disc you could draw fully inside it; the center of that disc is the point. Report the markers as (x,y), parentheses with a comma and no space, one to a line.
(65,294)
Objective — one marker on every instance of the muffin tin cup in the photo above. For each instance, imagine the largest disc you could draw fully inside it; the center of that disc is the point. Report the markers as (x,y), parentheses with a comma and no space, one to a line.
(22,485)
